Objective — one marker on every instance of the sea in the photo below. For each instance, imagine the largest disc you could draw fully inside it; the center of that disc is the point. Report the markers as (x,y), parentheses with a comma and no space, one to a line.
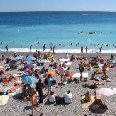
(67,31)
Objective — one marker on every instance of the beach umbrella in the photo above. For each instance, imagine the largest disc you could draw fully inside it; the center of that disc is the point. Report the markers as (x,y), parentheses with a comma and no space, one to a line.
(105,91)
(28,66)
(29,80)
(29,58)
(52,72)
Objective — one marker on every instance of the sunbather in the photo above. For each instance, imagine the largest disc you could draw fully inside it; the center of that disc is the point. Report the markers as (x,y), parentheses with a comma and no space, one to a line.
(87,96)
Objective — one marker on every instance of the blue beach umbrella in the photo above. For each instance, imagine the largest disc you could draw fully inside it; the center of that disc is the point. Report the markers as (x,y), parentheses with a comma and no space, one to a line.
(29,58)
(29,80)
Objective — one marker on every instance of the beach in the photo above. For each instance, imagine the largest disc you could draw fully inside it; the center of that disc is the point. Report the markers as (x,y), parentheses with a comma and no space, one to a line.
(16,107)
(69,33)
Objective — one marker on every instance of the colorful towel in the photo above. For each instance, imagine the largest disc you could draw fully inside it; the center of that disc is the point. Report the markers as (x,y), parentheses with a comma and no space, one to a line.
(85,104)
(4,99)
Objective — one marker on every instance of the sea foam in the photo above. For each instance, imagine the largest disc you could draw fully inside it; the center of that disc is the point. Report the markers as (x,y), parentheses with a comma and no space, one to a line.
(59,50)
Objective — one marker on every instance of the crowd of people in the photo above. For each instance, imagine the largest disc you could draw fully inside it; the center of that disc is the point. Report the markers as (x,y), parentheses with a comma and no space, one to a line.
(46,80)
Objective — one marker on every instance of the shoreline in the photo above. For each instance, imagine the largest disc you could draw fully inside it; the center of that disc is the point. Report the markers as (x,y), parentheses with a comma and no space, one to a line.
(71,50)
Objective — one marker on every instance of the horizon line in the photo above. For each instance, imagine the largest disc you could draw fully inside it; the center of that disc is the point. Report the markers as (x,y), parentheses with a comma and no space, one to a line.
(57,11)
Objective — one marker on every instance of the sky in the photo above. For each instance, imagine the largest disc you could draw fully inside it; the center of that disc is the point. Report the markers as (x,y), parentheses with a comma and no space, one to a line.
(57,5)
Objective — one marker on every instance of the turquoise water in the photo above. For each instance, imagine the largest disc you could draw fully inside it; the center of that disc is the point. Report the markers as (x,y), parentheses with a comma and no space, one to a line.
(20,30)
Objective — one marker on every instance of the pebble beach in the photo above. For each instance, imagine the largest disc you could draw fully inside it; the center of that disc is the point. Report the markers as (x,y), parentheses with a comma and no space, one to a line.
(16,107)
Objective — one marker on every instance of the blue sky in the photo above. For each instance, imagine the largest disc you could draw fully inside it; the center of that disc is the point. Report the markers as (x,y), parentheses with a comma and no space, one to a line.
(57,5)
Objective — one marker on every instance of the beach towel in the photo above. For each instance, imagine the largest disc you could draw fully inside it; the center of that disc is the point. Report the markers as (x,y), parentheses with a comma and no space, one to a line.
(64,60)
(68,63)
(4,99)
(78,75)
(85,104)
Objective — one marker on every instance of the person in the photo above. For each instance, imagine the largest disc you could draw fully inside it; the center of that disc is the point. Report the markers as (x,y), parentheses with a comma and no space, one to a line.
(81,49)
(48,82)
(72,58)
(53,49)
(68,97)
(92,85)
(6,48)
(39,87)
(3,58)
(67,56)
(61,72)
(93,75)
(100,49)
(24,93)
(38,55)
(104,69)
(55,65)
(51,97)
(87,96)
(43,71)
(45,56)
(30,47)
(111,57)
(86,49)
(44,47)
(2,73)
(97,103)
(33,97)
(68,74)
(50,48)
(35,54)
(81,69)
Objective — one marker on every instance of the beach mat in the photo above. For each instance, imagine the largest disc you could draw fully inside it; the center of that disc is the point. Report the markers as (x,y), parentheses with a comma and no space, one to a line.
(4,99)
(85,104)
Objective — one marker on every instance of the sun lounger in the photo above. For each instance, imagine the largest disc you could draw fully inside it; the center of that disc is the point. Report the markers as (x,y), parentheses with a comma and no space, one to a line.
(85,104)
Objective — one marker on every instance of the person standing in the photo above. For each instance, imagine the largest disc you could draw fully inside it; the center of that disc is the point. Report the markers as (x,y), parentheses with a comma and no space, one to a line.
(86,49)
(81,49)
(39,87)
(53,49)
(61,72)
(44,47)
(48,82)
(6,48)
(81,69)
(100,49)
(30,47)
(33,97)
(50,48)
